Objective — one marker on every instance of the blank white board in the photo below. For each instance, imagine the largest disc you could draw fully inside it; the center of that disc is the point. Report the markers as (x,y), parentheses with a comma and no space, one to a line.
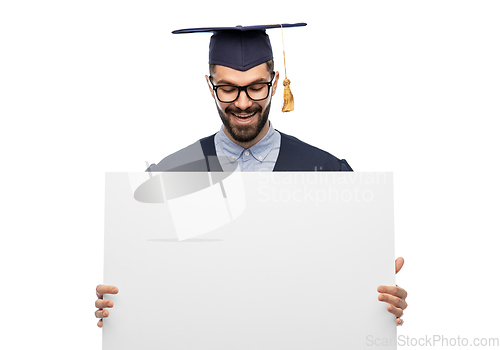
(250,261)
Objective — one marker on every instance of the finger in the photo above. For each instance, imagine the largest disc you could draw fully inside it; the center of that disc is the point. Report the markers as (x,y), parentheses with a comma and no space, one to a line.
(392,300)
(100,324)
(399,263)
(399,321)
(102,289)
(101,304)
(396,311)
(393,290)
(101,313)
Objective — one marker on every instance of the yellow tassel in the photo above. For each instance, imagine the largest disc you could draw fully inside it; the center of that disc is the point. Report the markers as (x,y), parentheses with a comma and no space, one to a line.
(287,93)
(287,97)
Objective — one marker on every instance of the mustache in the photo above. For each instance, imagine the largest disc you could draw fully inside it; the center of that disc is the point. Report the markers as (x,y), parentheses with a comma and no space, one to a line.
(250,110)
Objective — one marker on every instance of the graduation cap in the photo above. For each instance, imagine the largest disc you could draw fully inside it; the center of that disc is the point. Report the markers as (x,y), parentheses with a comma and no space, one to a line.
(244,47)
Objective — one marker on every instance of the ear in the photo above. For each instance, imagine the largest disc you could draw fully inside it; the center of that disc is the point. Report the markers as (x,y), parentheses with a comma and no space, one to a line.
(275,84)
(210,86)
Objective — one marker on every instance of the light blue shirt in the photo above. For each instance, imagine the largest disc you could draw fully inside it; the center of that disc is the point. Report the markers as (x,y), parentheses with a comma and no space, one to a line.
(260,157)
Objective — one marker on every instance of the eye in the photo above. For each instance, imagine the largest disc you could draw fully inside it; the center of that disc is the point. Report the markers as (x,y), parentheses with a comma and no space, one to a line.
(256,87)
(228,89)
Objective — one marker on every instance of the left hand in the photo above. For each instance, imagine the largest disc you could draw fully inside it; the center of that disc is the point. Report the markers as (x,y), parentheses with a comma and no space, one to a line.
(394,296)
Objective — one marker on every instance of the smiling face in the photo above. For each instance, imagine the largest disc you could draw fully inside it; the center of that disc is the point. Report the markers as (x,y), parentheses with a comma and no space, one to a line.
(245,121)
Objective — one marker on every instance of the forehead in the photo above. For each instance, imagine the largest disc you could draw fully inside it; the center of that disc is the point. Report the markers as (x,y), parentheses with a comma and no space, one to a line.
(237,77)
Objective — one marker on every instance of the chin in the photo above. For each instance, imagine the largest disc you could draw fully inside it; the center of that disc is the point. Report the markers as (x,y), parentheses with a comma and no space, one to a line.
(246,133)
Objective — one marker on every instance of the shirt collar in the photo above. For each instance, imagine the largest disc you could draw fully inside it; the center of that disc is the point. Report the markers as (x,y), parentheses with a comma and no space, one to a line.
(259,151)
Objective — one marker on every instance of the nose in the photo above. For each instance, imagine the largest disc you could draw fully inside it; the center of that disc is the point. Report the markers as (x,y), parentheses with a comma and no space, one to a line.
(243,102)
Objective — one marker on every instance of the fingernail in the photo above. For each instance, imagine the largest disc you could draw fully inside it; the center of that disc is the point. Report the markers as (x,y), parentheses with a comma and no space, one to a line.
(109,304)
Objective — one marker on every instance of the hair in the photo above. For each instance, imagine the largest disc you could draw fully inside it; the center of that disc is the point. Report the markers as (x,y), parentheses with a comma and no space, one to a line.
(270,67)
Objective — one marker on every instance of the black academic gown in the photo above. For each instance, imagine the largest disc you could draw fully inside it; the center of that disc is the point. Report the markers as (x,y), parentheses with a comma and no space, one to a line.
(294,155)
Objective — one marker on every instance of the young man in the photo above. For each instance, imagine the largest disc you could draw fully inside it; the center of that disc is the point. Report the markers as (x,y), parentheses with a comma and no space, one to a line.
(242,82)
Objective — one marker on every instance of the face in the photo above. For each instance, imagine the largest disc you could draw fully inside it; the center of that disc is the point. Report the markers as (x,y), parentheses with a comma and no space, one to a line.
(244,120)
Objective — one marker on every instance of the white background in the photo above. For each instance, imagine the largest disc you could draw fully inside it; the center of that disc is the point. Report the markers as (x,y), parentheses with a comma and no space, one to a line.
(93,86)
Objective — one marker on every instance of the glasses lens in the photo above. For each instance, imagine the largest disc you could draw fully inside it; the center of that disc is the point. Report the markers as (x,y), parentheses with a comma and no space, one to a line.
(227,93)
(258,91)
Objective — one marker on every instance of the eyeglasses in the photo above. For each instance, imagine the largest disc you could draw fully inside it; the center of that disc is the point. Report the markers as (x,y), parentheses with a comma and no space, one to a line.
(230,93)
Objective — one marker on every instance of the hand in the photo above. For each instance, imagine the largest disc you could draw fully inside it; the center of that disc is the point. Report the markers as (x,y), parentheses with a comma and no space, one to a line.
(394,296)
(101,304)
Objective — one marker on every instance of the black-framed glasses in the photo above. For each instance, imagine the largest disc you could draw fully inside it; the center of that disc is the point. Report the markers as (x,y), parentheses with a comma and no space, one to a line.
(230,93)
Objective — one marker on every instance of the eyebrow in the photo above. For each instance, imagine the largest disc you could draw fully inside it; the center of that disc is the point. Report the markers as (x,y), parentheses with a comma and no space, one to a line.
(225,82)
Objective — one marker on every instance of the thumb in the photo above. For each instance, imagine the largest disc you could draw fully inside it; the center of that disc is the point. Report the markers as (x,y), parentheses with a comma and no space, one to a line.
(399,263)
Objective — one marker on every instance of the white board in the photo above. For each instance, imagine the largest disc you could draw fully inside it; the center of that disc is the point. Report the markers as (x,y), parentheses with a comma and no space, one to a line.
(288,261)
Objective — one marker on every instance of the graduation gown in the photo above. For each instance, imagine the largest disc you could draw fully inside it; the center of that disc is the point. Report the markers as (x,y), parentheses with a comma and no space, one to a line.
(294,155)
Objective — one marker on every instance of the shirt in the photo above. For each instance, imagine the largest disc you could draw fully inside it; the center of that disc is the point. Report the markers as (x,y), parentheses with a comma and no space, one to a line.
(260,157)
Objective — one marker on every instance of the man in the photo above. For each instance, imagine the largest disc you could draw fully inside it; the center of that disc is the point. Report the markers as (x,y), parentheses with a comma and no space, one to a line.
(242,82)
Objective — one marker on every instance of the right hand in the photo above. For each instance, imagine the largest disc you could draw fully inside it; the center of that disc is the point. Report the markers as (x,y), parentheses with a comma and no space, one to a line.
(101,304)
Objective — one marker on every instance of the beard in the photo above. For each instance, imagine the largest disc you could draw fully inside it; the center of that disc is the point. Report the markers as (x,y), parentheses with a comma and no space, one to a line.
(244,133)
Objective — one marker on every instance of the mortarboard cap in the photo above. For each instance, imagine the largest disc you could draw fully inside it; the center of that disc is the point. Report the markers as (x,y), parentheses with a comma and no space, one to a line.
(242,48)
